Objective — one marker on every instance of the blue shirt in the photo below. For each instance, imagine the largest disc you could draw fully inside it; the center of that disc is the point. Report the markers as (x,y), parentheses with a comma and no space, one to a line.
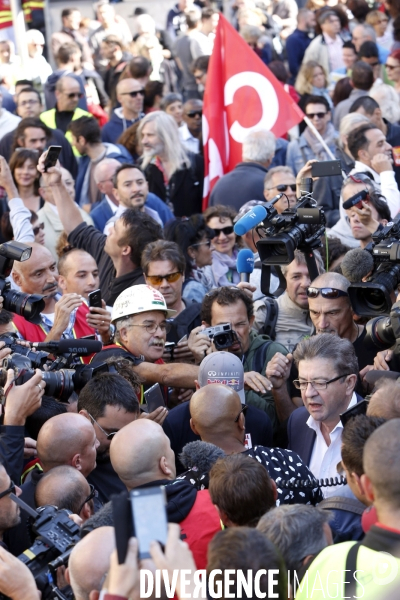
(296,46)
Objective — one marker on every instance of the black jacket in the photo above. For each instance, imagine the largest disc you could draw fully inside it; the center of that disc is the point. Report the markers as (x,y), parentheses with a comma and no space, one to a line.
(244,183)
(185,189)
(12,450)
(177,428)
(187,320)
(105,480)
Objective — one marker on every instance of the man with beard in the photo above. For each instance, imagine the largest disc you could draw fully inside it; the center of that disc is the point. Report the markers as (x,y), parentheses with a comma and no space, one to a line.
(63,316)
(174,174)
(131,190)
(110,403)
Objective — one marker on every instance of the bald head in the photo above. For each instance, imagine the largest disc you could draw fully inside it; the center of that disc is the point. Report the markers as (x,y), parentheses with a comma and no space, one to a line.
(68,439)
(330,279)
(382,466)
(385,401)
(85,573)
(106,168)
(141,452)
(213,410)
(64,487)
(38,274)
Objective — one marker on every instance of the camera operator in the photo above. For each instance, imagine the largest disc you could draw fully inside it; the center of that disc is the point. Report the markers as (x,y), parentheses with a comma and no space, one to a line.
(63,317)
(232,305)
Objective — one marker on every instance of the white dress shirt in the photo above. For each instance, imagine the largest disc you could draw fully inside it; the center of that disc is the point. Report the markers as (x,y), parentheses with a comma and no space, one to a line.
(324,458)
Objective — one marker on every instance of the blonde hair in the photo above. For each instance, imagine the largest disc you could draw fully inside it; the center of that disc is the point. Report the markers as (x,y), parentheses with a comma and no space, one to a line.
(304,83)
(373,17)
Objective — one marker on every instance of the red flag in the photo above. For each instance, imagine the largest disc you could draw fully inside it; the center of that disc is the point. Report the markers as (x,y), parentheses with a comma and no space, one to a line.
(241,95)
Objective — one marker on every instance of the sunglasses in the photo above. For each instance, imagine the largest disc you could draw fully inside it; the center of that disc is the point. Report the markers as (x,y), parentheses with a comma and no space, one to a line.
(38,228)
(313,115)
(283,187)
(10,490)
(75,95)
(225,230)
(195,113)
(158,279)
(244,410)
(331,293)
(134,94)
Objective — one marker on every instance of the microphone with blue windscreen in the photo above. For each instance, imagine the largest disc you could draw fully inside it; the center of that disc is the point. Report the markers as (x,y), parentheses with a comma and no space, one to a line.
(245,264)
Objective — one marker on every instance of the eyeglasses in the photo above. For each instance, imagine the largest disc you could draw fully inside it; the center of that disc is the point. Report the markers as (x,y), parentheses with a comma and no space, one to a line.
(134,94)
(10,490)
(317,385)
(224,230)
(282,187)
(158,279)
(313,115)
(331,293)
(74,95)
(38,228)
(93,494)
(244,410)
(392,66)
(207,243)
(152,327)
(109,436)
(28,102)
(195,113)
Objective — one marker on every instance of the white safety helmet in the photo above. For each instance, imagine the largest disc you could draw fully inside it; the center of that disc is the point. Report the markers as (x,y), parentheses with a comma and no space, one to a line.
(137,299)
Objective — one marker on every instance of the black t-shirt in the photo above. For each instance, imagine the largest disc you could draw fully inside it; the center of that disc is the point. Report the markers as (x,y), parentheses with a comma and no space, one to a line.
(177,428)
(187,320)
(86,237)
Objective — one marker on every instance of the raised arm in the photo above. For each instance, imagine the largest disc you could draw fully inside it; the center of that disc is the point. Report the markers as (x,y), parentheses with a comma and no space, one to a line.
(67,209)
(20,216)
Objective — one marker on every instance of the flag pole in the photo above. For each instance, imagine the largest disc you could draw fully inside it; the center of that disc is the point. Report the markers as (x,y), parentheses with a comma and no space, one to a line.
(319,137)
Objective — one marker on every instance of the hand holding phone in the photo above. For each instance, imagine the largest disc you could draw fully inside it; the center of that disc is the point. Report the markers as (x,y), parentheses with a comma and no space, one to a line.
(52,156)
(326,168)
(95,299)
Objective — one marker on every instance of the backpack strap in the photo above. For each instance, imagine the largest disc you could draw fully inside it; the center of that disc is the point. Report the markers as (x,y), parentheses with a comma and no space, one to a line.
(259,357)
(271,317)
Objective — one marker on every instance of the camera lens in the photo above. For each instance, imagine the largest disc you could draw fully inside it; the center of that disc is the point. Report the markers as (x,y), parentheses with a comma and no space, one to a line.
(59,384)
(28,306)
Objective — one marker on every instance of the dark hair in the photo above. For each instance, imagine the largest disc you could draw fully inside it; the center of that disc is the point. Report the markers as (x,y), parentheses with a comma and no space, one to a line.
(5,317)
(61,267)
(29,90)
(396,32)
(222,212)
(331,250)
(379,203)
(368,49)
(26,82)
(193,17)
(49,408)
(340,13)
(87,127)
(163,250)
(66,12)
(107,389)
(342,91)
(367,103)
(128,139)
(314,99)
(5,226)
(26,123)
(362,76)
(207,13)
(124,367)
(200,64)
(242,488)
(359,9)
(34,216)
(151,90)
(141,229)
(170,99)
(357,139)
(349,44)
(279,70)
(18,159)
(113,40)
(243,549)
(186,233)
(66,52)
(225,296)
(70,496)
(354,435)
(125,167)
(138,67)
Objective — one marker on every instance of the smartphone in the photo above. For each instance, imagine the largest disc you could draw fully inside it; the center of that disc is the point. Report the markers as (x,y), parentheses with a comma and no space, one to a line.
(149,513)
(154,397)
(355,200)
(95,299)
(52,157)
(183,339)
(326,168)
(358,409)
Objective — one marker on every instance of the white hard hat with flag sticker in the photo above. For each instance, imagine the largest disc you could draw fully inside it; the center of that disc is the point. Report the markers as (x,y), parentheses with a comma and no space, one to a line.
(137,299)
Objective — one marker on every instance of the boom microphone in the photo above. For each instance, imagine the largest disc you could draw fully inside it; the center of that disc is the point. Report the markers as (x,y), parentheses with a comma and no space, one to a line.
(250,220)
(245,264)
(357,264)
(80,346)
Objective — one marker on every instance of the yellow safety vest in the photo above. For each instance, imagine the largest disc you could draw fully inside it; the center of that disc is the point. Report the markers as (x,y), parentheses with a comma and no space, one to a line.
(49,118)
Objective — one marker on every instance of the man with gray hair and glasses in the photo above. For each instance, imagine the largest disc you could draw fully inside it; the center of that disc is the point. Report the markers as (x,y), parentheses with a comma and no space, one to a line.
(328,368)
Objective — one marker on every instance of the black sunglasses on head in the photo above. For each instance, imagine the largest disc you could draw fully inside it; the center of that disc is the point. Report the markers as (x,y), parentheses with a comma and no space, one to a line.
(313,292)
(225,230)
(244,410)
(93,494)
(134,94)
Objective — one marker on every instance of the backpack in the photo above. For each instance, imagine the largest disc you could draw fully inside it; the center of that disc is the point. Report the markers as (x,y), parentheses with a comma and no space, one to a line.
(271,317)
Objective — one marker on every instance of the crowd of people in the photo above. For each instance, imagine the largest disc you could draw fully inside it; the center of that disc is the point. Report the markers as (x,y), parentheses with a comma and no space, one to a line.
(275,432)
